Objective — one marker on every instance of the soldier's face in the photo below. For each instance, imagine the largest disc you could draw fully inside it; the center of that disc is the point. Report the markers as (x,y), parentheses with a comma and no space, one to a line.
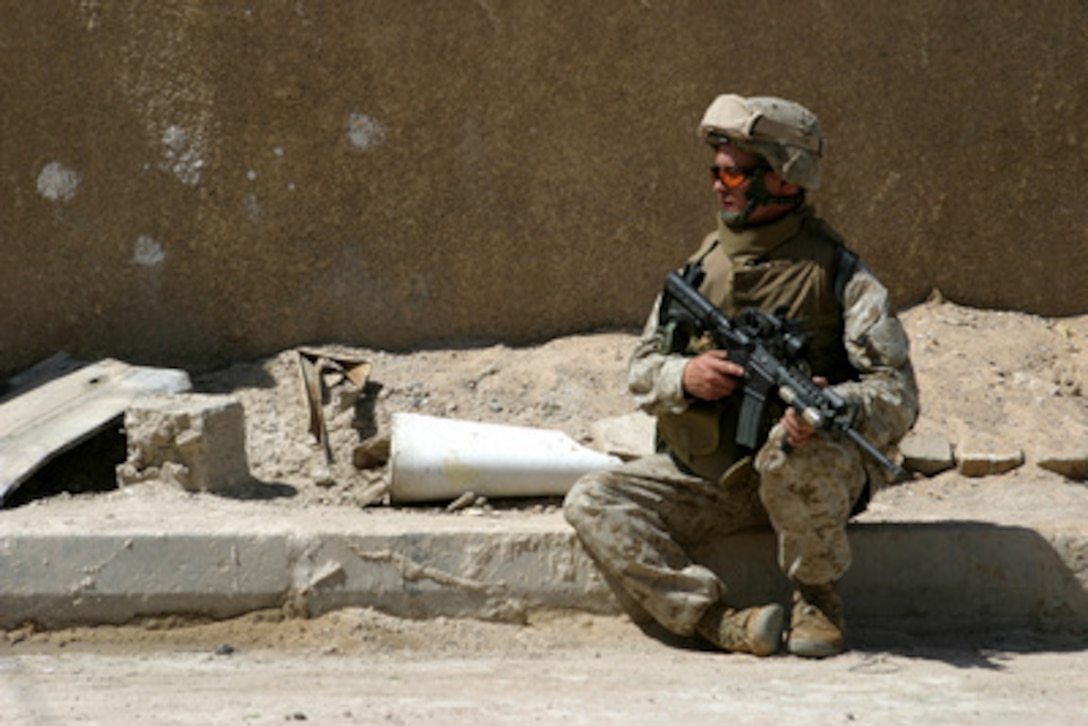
(732,164)
(731,183)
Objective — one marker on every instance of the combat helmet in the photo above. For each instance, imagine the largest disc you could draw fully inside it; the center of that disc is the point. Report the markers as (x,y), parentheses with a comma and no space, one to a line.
(785,134)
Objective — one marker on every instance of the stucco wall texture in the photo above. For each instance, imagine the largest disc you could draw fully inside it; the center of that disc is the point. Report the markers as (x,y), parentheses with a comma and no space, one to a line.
(186,182)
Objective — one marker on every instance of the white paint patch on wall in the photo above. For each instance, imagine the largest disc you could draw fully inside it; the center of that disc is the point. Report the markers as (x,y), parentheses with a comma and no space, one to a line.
(148,252)
(252,207)
(365,132)
(57,182)
(182,155)
(92,12)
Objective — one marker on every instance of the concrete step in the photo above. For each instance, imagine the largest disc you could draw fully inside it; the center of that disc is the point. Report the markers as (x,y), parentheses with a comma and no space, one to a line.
(921,562)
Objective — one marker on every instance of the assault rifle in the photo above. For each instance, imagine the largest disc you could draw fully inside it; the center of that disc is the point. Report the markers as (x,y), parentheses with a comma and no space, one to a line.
(772,351)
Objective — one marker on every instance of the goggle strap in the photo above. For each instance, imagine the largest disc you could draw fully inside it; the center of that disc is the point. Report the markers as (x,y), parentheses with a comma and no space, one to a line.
(792,199)
(758,190)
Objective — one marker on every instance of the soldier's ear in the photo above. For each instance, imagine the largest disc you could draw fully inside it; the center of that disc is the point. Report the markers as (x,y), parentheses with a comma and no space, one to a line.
(785,188)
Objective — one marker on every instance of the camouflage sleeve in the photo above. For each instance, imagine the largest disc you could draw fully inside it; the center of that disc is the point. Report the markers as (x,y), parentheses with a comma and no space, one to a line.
(886,392)
(655,378)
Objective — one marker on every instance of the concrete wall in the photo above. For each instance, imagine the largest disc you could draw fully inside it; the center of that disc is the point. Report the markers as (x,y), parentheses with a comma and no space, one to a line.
(183,182)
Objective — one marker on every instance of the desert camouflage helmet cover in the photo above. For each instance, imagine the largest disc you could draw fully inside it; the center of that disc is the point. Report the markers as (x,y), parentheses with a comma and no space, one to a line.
(784,133)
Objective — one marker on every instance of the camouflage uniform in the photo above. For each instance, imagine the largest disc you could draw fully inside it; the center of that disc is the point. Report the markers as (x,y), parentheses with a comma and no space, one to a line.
(640,521)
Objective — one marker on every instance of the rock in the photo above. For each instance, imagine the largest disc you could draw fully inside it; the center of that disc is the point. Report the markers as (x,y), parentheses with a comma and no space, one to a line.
(1070,465)
(197,441)
(927,454)
(464,501)
(986,457)
(628,437)
(372,453)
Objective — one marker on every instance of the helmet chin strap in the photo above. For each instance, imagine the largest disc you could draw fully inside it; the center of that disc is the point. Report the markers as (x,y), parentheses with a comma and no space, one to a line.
(758,195)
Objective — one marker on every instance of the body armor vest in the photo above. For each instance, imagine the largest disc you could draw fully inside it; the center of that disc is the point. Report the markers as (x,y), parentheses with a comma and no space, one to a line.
(798,272)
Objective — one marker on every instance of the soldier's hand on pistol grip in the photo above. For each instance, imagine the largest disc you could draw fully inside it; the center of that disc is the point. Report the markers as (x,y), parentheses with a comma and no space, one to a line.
(710,376)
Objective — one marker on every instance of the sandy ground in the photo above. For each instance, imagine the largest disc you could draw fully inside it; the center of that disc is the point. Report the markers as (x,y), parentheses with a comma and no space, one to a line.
(988,378)
(563,384)
(358,666)
(1004,378)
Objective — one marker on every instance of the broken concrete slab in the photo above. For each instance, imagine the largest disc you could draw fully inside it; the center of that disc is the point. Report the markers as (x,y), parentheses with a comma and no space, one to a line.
(927,454)
(981,455)
(1070,465)
(628,437)
(195,441)
(989,463)
(1067,456)
(46,415)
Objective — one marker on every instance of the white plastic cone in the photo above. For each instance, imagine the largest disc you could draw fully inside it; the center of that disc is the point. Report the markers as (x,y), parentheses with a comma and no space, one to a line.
(438,459)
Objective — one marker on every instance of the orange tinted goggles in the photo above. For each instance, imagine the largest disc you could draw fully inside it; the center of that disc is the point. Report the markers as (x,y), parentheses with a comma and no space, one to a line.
(730,176)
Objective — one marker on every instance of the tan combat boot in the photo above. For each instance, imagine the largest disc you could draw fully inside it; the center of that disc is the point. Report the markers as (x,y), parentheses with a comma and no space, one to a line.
(818,628)
(754,630)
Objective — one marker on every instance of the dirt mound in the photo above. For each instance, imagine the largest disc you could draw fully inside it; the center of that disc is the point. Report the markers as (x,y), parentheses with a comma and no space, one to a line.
(564,384)
(1007,377)
(988,378)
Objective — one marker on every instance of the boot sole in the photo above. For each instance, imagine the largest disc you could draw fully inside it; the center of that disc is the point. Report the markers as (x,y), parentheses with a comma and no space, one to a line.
(766,631)
(813,648)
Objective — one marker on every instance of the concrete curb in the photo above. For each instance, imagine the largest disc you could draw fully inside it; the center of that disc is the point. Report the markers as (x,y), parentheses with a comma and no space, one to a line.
(110,560)
(109,567)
